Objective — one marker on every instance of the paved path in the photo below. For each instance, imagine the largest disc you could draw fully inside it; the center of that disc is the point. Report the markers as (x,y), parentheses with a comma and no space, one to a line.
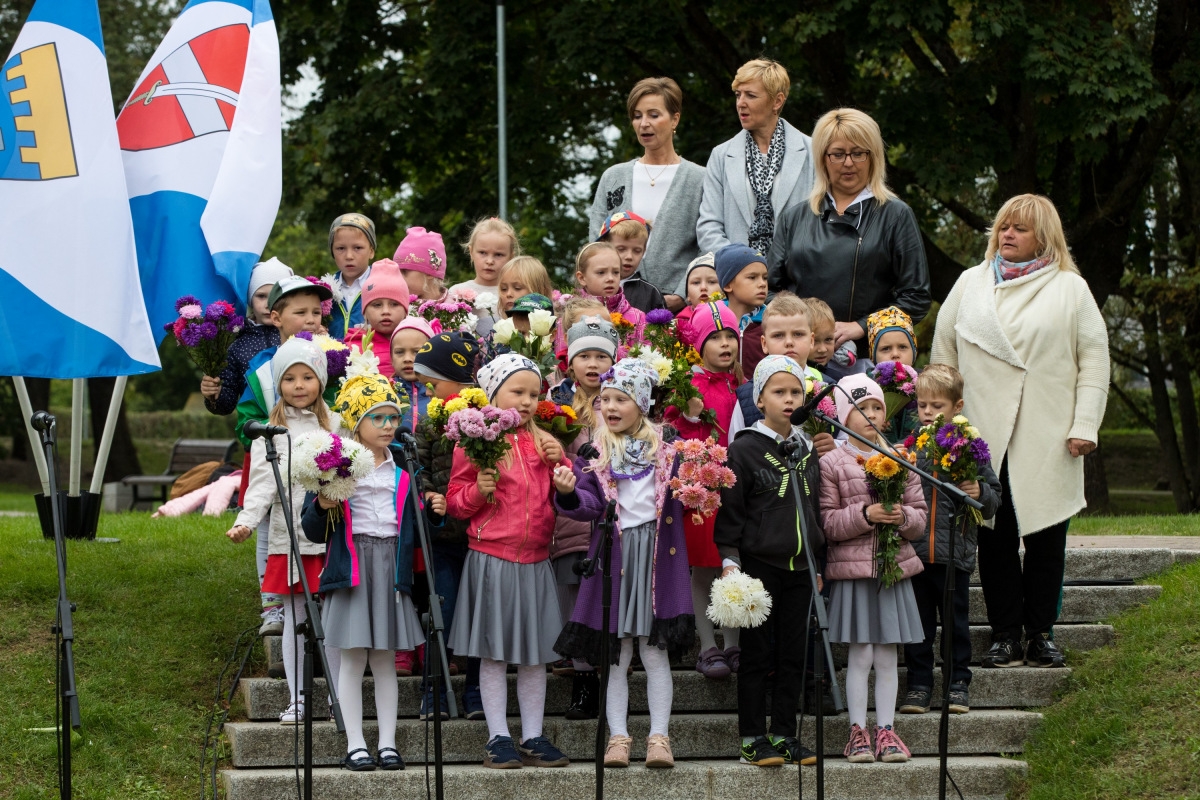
(1123,542)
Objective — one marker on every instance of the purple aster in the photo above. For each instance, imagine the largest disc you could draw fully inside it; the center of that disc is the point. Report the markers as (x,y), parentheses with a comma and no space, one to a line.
(207,330)
(885,373)
(328,460)
(236,323)
(336,361)
(980,452)
(189,336)
(187,300)
(659,316)
(305,335)
(945,436)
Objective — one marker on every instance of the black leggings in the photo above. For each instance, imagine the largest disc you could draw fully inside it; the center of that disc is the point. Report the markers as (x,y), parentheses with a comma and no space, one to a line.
(1019,598)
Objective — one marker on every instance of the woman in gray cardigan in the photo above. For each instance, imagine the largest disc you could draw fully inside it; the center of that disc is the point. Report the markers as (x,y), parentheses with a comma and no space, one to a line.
(661,186)
(759,174)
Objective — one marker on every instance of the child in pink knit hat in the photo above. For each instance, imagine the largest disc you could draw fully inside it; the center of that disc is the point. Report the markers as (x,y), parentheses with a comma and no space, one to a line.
(422,260)
(385,299)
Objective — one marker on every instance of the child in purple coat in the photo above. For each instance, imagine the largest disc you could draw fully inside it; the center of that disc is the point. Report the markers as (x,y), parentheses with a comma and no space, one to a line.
(651,595)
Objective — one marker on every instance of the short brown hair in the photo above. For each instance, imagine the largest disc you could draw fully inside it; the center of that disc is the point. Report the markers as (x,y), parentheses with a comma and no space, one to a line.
(665,88)
(786,304)
(628,229)
(819,312)
(941,380)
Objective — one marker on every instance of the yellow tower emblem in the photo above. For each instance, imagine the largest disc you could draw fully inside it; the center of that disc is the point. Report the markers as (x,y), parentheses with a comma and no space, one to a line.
(35,130)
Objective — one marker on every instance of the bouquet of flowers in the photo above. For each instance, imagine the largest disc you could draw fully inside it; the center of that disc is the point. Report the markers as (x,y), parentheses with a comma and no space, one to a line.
(453,312)
(537,345)
(886,479)
(625,328)
(337,355)
(326,463)
(439,411)
(672,360)
(205,333)
(559,421)
(702,476)
(899,384)
(955,449)
(813,426)
(326,305)
(480,432)
(738,601)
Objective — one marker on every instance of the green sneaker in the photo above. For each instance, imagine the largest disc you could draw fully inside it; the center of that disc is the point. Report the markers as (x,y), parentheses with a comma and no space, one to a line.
(760,753)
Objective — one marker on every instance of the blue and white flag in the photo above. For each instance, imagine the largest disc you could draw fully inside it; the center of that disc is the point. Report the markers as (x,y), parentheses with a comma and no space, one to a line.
(201,134)
(70,302)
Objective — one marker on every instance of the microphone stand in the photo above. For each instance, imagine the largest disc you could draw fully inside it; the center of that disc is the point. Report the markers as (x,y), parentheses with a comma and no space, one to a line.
(435,627)
(67,703)
(961,500)
(818,617)
(602,563)
(313,630)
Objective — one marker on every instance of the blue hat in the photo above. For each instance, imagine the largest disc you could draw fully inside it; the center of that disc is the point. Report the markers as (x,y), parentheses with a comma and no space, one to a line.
(732,259)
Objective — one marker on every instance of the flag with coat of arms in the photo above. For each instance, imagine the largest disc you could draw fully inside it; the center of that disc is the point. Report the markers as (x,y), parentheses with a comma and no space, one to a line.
(70,302)
(201,136)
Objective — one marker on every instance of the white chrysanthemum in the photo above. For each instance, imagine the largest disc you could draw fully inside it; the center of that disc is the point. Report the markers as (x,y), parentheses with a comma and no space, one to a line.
(972,431)
(470,324)
(738,601)
(361,363)
(541,322)
(486,301)
(503,331)
(308,475)
(959,420)
(657,361)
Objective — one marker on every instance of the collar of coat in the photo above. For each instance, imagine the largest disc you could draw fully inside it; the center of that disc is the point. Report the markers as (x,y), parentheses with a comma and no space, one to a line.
(978,321)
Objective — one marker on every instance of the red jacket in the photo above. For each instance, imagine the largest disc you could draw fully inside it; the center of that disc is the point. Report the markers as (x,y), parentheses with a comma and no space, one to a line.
(519,524)
(719,390)
(849,538)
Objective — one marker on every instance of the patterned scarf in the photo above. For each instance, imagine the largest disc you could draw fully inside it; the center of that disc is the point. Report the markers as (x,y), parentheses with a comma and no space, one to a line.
(761,171)
(1006,270)
(633,461)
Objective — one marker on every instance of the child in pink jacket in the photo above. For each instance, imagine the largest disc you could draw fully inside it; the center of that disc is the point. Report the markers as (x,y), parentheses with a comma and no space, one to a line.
(872,618)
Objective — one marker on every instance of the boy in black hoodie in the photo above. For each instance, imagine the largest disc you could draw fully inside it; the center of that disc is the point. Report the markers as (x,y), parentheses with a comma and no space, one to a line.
(757,531)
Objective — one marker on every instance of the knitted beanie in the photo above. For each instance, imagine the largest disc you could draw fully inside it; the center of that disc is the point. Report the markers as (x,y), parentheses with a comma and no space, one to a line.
(889,319)
(361,395)
(422,251)
(493,374)
(770,365)
(732,259)
(384,280)
(705,260)
(852,390)
(592,333)
(707,319)
(299,351)
(359,221)
(266,272)
(635,378)
(419,324)
(448,357)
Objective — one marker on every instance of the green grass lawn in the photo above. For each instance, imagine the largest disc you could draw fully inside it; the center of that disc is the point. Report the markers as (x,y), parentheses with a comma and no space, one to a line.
(1127,724)
(1147,525)
(157,617)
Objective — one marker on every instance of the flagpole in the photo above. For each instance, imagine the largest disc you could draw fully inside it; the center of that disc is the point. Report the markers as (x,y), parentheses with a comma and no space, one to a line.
(501,111)
(106,438)
(77,388)
(35,441)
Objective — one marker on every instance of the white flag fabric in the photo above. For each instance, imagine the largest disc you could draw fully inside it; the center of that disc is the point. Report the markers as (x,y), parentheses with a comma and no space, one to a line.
(201,136)
(70,301)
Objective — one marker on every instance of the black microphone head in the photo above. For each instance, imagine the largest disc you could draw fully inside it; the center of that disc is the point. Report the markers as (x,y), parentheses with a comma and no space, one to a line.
(42,421)
(588,451)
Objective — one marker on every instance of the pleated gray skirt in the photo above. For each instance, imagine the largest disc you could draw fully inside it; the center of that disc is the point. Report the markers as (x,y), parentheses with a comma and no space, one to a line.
(860,612)
(370,615)
(635,611)
(506,611)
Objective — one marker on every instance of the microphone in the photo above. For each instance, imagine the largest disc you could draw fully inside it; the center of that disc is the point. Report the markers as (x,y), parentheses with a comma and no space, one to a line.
(405,436)
(588,452)
(254,429)
(42,421)
(801,414)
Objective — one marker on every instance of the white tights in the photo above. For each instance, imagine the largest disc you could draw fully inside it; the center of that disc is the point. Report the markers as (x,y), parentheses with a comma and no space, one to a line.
(884,658)
(387,694)
(659,690)
(531,697)
(702,578)
(294,614)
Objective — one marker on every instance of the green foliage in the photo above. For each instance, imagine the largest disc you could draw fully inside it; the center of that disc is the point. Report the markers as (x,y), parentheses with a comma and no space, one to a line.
(169,388)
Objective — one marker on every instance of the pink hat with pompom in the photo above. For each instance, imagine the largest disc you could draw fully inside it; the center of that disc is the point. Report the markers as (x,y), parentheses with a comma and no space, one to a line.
(422,251)
(430,329)
(385,281)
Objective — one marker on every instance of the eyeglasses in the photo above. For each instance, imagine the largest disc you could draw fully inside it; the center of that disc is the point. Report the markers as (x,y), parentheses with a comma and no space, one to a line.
(857,156)
(384,420)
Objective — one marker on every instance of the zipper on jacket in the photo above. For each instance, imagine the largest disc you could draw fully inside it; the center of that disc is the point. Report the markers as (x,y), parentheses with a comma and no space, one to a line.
(862,224)
(525,477)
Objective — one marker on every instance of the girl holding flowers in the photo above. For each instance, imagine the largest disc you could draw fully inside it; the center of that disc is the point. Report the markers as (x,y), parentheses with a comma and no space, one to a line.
(872,607)
(367,581)
(649,573)
(507,607)
(299,371)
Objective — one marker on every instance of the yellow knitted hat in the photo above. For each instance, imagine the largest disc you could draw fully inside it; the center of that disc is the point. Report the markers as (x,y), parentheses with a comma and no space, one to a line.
(889,319)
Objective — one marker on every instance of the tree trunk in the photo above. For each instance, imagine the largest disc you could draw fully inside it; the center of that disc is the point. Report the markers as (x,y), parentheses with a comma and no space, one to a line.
(123,458)
(1164,420)
(1188,424)
(1095,482)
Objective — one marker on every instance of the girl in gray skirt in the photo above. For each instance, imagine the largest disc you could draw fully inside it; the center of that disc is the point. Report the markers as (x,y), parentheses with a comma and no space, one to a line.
(872,618)
(367,580)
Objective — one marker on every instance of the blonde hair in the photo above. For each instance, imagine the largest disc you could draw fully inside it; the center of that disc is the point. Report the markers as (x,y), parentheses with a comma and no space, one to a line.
(530,272)
(588,252)
(665,88)
(786,304)
(608,442)
(579,307)
(318,408)
(774,76)
(819,312)
(1039,215)
(940,380)
(497,226)
(628,229)
(861,131)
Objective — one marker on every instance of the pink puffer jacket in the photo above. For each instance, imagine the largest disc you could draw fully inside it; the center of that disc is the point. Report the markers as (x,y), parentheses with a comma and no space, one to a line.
(848,536)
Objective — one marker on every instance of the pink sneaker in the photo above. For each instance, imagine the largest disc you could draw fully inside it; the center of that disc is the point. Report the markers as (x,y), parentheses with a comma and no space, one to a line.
(406,660)
(858,749)
(888,747)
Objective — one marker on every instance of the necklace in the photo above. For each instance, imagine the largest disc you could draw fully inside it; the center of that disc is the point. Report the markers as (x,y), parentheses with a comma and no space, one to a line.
(654,178)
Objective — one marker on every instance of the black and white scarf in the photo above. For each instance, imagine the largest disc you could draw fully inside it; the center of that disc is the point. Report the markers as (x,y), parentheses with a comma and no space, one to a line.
(761,171)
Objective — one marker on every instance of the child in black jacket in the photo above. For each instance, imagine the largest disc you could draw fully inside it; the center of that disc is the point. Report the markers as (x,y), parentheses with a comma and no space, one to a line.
(758,532)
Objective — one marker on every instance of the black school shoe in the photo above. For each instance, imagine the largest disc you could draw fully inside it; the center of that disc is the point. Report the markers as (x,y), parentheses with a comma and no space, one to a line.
(359,761)
(960,699)
(389,759)
(1004,653)
(916,700)
(1041,652)
(792,751)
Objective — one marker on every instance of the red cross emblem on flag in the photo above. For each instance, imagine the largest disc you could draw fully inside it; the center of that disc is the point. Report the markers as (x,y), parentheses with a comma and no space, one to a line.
(193,91)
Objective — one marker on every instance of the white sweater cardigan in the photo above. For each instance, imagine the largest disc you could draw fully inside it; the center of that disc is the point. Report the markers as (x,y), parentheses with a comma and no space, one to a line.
(1033,353)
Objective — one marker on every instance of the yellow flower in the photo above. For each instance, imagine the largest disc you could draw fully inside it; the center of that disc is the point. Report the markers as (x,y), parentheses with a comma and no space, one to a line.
(693,357)
(946,461)
(922,440)
(882,467)
(474,396)
(435,408)
(959,420)
(569,413)
(457,404)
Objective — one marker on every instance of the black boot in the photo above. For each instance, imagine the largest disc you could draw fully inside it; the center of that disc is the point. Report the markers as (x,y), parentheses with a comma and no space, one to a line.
(585,696)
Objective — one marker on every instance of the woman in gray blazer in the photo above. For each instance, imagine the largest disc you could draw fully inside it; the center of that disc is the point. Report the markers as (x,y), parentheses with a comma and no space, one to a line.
(661,186)
(760,173)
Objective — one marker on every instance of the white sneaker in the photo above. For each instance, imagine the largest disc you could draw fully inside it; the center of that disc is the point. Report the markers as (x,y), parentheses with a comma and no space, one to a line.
(272,622)
(294,715)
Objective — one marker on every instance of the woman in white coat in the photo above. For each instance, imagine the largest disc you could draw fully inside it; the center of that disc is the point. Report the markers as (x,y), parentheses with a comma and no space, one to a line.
(1025,332)
(758,174)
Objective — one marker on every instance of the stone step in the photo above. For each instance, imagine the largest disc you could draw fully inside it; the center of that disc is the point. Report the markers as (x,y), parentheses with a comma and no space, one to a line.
(1110,563)
(693,736)
(979,778)
(1018,687)
(1082,603)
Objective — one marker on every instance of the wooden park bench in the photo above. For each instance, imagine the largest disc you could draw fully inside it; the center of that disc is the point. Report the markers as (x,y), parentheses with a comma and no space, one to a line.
(185,454)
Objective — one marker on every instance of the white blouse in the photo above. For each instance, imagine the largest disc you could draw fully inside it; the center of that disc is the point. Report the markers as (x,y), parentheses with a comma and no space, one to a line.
(647,199)
(636,499)
(373,506)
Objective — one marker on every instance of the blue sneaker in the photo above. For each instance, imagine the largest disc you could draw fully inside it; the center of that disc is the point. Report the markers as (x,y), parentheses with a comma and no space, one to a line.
(501,754)
(472,703)
(539,752)
(427,702)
